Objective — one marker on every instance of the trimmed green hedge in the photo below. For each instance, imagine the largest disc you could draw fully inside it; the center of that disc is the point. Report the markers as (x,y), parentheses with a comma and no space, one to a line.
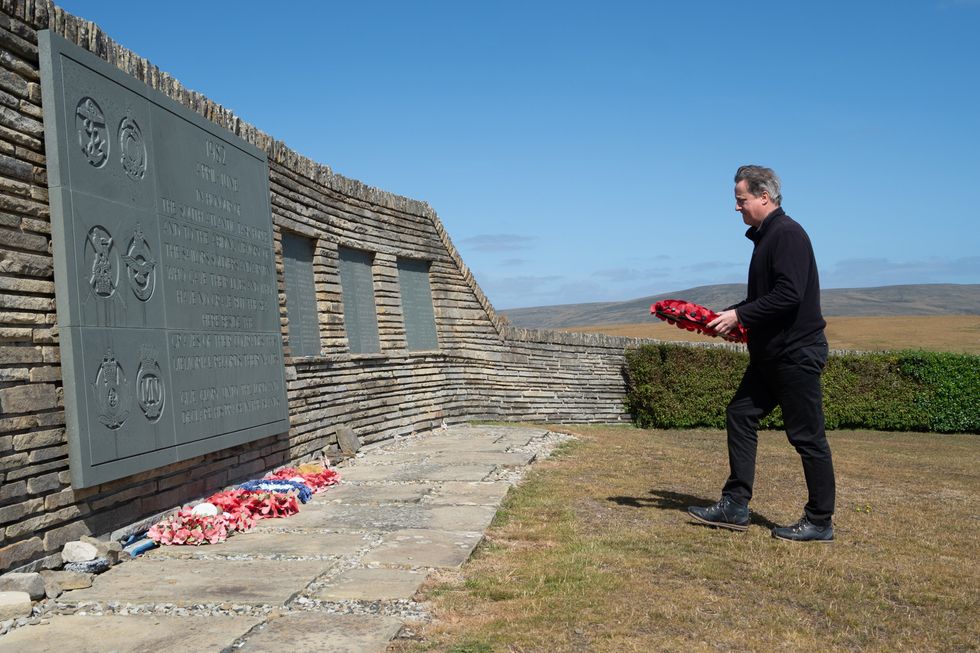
(678,386)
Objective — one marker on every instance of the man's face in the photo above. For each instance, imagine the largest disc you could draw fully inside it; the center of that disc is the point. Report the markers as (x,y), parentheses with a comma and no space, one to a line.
(754,209)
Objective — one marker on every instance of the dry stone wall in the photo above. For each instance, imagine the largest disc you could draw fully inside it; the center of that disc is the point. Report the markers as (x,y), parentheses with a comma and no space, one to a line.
(481,370)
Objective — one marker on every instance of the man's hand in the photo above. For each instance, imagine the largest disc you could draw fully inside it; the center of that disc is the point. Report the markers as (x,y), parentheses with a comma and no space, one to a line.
(725,322)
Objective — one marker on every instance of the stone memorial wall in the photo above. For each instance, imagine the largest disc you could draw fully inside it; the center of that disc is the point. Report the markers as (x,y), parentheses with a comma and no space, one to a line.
(147,313)
(167,299)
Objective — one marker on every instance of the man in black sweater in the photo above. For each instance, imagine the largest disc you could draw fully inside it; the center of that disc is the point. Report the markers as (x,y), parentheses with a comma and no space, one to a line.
(787,353)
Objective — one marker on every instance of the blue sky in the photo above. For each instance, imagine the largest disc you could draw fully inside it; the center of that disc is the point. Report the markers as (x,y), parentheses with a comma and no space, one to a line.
(584,151)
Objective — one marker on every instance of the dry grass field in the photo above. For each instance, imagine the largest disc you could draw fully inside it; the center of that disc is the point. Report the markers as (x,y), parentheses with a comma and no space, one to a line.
(594,552)
(953,333)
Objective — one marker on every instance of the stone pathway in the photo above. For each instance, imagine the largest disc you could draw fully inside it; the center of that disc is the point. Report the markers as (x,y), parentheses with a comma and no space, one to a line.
(339,576)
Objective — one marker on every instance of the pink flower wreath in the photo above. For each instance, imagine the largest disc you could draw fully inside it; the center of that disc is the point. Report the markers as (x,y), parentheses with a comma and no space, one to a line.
(239,509)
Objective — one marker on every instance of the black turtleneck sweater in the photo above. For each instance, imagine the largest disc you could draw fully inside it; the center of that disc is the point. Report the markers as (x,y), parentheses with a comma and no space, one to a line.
(782,310)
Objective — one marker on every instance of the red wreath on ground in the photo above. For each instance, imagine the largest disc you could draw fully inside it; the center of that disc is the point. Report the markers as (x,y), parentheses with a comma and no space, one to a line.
(694,317)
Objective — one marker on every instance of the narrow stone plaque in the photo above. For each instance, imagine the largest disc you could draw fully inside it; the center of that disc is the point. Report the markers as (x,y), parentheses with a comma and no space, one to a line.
(416,293)
(360,309)
(304,325)
(164,273)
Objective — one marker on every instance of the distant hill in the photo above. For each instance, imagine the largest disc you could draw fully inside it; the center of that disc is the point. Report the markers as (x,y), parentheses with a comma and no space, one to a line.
(918,299)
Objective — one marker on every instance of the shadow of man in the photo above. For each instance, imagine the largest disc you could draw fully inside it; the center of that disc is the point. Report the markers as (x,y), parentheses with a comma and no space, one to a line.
(667,500)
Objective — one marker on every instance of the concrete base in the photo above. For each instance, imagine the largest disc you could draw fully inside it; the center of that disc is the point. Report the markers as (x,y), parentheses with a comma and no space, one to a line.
(134,633)
(187,582)
(497,458)
(458,493)
(418,472)
(424,548)
(376,494)
(460,518)
(351,517)
(257,544)
(315,631)
(402,511)
(371,584)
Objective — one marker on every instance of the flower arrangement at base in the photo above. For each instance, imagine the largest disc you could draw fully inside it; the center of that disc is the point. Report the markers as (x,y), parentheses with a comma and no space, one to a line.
(237,509)
(276,486)
(277,495)
(270,505)
(316,477)
(184,527)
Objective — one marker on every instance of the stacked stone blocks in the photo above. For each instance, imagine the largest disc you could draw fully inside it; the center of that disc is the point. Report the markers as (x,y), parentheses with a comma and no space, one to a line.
(482,369)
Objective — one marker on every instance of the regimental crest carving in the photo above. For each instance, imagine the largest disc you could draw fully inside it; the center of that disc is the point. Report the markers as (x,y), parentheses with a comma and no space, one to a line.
(111,392)
(93,137)
(103,258)
(140,266)
(150,389)
(133,148)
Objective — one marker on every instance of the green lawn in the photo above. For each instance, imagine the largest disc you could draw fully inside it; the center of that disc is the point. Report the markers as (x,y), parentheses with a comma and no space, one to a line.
(594,552)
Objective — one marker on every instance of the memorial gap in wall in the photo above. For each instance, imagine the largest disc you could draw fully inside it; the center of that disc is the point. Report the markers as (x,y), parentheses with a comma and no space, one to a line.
(145,232)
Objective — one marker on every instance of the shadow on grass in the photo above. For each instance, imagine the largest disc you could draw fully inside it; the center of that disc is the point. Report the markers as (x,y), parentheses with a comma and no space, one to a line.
(666,500)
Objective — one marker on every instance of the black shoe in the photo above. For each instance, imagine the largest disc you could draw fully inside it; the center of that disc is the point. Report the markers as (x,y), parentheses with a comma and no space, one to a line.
(804,531)
(726,514)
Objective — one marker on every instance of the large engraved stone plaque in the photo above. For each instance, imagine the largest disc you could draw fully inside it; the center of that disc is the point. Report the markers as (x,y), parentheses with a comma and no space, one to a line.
(164,273)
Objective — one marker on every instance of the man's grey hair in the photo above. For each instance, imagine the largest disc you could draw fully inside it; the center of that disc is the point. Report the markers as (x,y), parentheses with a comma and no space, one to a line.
(758,179)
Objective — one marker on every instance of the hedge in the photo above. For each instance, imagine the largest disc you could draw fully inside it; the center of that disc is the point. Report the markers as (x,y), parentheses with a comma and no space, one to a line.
(679,386)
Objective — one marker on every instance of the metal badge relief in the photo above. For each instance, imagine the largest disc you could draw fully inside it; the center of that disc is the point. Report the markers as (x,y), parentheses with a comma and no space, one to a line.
(111,392)
(92,134)
(150,389)
(133,148)
(104,261)
(140,265)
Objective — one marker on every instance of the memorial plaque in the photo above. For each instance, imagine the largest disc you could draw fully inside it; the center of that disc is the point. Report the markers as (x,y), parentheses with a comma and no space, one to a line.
(416,294)
(304,325)
(164,273)
(360,310)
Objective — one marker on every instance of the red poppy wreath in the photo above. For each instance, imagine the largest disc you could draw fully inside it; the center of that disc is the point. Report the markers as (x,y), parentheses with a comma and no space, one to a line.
(694,317)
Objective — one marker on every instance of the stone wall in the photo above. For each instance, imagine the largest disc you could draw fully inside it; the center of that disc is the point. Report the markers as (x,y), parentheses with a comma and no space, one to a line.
(482,370)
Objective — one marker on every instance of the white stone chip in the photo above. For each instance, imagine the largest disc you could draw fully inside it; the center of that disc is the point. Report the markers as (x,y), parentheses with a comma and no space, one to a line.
(14,605)
(79,552)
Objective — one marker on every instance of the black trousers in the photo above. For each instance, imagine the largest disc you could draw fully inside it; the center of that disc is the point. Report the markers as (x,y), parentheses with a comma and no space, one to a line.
(793,383)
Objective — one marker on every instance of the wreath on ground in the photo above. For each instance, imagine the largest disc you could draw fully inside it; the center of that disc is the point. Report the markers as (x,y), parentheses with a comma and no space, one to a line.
(238,509)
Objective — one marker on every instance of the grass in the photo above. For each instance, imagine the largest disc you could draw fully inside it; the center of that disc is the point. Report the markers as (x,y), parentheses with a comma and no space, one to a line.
(594,552)
(953,333)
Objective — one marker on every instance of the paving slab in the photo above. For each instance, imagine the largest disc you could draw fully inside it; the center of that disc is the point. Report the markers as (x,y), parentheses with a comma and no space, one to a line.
(510,434)
(420,503)
(426,447)
(187,582)
(259,544)
(471,493)
(358,517)
(424,548)
(376,494)
(456,457)
(371,584)
(450,472)
(317,631)
(98,634)
(500,459)
(417,472)
(520,439)
(459,518)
